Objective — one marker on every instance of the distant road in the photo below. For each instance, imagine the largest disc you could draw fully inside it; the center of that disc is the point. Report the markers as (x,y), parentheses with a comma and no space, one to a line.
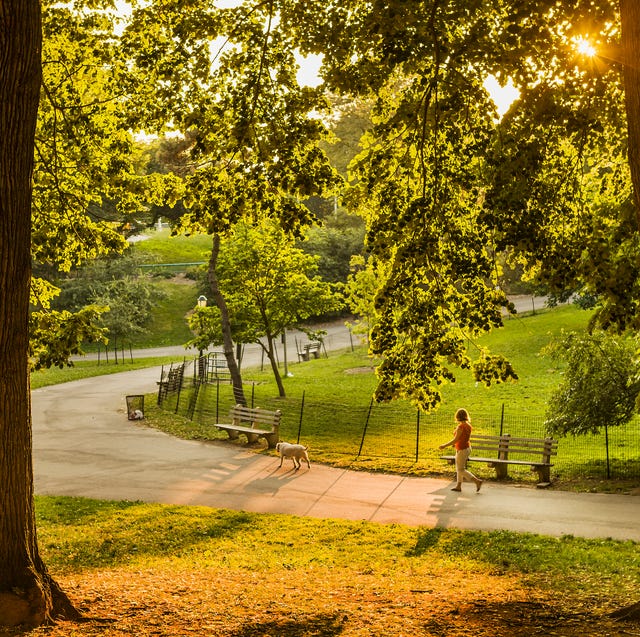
(338,337)
(525,303)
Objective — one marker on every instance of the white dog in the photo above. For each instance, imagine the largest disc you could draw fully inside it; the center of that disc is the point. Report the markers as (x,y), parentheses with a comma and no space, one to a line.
(297,453)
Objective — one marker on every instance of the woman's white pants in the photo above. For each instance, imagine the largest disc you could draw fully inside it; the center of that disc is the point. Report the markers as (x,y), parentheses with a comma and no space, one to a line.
(462,455)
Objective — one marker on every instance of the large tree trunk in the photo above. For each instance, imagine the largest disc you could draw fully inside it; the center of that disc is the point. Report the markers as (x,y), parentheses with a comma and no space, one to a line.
(227,340)
(28,595)
(630,45)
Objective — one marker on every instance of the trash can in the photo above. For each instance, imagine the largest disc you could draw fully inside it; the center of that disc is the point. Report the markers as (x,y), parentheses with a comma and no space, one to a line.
(135,407)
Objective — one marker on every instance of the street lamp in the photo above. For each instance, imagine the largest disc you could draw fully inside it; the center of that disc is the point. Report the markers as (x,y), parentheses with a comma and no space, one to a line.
(202,302)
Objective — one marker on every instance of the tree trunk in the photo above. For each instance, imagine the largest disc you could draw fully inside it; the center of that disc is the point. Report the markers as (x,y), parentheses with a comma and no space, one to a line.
(227,340)
(630,44)
(270,352)
(628,613)
(28,595)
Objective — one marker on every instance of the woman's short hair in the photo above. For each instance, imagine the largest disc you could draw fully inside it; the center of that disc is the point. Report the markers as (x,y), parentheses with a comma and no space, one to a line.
(462,415)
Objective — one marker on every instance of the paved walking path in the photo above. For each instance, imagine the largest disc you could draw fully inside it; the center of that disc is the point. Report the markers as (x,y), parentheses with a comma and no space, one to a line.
(84,445)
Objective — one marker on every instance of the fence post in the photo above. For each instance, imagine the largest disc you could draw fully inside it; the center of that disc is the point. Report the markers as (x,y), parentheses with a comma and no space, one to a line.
(300,421)
(160,386)
(217,400)
(364,432)
(502,419)
(417,435)
(193,399)
(606,443)
(181,376)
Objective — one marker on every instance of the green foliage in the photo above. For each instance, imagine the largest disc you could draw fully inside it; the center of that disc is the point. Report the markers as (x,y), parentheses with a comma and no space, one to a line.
(600,387)
(269,285)
(418,185)
(84,182)
(254,140)
(55,335)
(82,147)
(84,284)
(449,192)
(334,247)
(351,120)
(116,285)
(130,302)
(360,291)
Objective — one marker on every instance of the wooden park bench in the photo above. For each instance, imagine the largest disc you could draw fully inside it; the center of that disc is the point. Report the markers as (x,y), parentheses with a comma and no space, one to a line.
(254,423)
(498,452)
(312,348)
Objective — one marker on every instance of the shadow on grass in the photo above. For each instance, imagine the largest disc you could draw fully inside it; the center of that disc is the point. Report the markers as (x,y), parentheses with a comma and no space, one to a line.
(325,625)
(427,539)
(85,533)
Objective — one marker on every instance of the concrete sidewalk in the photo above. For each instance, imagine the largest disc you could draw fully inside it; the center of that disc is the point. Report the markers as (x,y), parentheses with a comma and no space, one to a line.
(84,445)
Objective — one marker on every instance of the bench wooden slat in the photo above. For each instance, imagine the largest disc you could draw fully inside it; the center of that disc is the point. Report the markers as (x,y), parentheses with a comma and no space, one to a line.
(519,438)
(241,429)
(504,446)
(253,416)
(511,449)
(500,461)
(259,419)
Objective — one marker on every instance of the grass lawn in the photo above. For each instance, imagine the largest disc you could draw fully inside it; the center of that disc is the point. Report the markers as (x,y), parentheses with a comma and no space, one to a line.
(328,405)
(161,247)
(89,369)
(169,325)
(146,569)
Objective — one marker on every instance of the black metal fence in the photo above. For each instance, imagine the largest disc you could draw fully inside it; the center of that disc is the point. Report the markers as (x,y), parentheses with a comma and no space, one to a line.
(372,432)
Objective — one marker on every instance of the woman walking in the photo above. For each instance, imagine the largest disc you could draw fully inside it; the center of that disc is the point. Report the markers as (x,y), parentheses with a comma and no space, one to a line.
(462,445)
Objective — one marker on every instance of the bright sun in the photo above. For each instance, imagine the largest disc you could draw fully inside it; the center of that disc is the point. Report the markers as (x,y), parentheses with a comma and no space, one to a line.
(583,46)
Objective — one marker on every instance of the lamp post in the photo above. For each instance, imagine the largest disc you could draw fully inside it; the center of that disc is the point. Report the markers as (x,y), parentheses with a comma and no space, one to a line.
(202,302)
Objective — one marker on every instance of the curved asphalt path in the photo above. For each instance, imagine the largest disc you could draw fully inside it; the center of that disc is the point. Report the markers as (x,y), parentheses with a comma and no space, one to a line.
(84,445)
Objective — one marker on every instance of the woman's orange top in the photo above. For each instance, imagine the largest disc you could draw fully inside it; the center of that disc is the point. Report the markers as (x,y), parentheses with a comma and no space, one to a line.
(464,429)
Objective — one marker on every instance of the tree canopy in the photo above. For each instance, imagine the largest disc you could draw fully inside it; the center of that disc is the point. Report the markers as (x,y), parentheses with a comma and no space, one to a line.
(447,189)
(600,385)
(269,286)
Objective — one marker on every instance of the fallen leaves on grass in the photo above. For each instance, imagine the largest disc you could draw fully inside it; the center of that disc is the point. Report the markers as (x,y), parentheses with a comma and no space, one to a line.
(161,602)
